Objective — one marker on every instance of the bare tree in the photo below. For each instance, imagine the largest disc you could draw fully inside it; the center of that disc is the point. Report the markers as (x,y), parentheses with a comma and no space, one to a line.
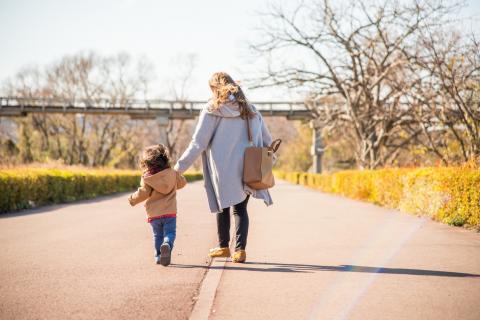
(85,78)
(447,97)
(177,131)
(357,57)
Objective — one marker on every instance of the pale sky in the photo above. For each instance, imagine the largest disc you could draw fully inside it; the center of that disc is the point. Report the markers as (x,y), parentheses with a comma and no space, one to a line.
(217,31)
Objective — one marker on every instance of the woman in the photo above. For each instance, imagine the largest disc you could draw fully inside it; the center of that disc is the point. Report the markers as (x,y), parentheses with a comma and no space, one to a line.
(221,137)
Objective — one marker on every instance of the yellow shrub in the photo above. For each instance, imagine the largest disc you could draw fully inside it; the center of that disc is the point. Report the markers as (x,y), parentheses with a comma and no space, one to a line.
(26,188)
(387,186)
(422,192)
(450,195)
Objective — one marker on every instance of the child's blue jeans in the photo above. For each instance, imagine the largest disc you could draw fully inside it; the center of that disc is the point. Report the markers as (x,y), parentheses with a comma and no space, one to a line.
(164,230)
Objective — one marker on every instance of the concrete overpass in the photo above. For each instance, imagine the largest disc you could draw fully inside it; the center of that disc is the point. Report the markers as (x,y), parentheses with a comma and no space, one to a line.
(157,109)
(150,109)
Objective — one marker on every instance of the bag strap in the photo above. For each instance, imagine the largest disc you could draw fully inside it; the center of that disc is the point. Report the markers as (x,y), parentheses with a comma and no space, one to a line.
(249,131)
(275,145)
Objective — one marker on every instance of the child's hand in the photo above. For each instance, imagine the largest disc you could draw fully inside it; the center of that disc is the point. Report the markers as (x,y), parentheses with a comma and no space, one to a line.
(142,194)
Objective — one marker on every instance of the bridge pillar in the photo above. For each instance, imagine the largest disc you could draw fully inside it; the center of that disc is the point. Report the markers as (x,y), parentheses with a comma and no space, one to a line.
(162,122)
(317,147)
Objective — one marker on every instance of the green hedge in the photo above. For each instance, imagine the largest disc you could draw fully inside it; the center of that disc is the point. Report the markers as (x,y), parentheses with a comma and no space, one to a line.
(27,188)
(447,194)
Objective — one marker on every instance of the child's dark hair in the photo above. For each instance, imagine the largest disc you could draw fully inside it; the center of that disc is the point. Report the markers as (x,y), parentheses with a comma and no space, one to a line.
(155,159)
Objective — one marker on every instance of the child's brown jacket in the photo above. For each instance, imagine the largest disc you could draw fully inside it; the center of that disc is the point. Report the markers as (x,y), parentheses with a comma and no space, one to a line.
(160,192)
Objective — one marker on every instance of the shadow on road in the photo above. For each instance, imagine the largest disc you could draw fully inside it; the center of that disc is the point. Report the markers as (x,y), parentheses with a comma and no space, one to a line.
(309,268)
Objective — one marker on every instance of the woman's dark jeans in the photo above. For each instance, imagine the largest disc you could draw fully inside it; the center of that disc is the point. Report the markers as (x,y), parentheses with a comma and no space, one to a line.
(241,225)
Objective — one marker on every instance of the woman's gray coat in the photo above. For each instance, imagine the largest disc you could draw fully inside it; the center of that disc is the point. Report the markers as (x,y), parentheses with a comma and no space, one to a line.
(221,137)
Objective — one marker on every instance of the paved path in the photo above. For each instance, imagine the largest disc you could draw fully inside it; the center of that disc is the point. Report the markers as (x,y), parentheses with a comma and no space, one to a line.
(310,256)
(318,256)
(94,260)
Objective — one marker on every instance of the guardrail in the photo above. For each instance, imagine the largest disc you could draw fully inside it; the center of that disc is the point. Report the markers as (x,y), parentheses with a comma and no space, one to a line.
(20,106)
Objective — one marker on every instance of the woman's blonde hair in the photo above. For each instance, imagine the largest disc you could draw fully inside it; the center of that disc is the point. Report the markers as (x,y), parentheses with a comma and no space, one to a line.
(223,86)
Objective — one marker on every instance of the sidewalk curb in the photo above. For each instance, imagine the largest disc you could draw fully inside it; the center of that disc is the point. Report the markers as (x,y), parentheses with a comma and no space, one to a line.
(206,296)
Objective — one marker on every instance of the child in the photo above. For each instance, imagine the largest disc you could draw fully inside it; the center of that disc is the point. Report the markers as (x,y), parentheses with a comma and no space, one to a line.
(158,186)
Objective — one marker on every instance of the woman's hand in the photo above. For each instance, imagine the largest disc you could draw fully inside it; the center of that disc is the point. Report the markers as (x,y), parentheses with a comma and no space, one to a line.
(176,168)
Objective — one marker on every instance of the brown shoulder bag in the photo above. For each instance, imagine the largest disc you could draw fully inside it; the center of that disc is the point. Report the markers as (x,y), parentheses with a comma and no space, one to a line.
(258,163)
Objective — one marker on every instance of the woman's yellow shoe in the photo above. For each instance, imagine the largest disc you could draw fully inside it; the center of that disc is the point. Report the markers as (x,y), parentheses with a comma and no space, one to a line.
(239,256)
(219,252)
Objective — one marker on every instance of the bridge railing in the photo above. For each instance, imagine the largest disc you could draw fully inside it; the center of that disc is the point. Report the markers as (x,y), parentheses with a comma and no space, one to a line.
(35,104)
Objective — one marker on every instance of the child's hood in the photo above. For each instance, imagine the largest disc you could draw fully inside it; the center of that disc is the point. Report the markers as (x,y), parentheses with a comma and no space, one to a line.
(164,181)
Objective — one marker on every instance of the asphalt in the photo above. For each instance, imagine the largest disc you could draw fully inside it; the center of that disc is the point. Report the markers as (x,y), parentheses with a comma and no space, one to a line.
(319,256)
(309,256)
(94,260)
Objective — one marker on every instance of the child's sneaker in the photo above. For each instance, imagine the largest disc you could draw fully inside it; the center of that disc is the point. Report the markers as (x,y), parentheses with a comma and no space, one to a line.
(165,255)
(157,256)
(219,252)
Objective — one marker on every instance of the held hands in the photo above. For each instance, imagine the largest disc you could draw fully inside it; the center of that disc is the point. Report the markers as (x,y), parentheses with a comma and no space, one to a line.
(175,167)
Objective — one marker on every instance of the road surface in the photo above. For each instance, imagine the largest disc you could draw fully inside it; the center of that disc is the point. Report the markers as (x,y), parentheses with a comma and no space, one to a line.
(309,256)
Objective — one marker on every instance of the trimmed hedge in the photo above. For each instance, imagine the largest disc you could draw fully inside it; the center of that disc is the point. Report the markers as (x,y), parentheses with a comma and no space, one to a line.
(447,194)
(27,188)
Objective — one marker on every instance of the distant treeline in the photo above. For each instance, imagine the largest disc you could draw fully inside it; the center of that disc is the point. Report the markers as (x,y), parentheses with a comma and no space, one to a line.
(390,83)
